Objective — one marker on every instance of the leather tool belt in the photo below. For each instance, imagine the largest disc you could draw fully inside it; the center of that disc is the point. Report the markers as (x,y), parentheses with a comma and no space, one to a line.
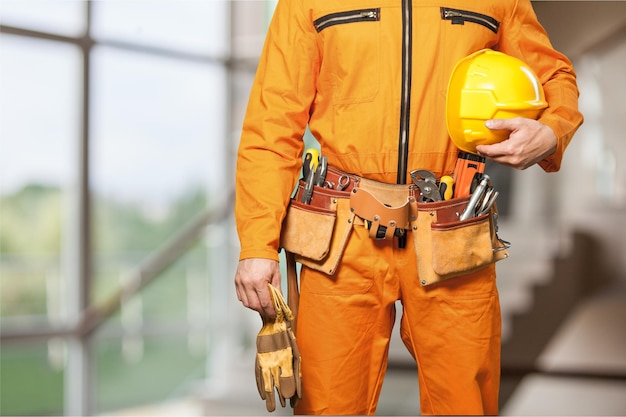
(317,232)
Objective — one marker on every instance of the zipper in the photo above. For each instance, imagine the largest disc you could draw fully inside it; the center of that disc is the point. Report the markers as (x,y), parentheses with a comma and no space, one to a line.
(459,17)
(405,97)
(363,15)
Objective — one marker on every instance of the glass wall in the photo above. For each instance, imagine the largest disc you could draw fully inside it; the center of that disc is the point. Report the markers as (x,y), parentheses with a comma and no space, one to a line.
(40,109)
(130,99)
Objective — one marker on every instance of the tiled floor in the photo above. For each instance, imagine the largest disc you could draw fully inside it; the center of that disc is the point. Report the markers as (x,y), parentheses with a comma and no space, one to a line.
(593,339)
(400,394)
(540,395)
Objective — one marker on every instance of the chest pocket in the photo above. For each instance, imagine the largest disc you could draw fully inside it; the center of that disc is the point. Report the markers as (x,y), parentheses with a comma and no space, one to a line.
(351,40)
(460,17)
(465,31)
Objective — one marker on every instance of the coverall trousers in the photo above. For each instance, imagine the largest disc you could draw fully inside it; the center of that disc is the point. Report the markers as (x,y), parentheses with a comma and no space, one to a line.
(451,328)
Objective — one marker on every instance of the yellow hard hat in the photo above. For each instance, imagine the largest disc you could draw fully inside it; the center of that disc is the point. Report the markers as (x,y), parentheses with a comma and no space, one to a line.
(489,85)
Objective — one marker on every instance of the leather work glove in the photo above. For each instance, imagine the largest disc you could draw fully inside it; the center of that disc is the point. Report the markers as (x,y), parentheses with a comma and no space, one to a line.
(278,358)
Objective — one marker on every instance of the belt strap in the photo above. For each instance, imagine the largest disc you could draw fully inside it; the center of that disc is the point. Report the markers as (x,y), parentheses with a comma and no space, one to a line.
(293,293)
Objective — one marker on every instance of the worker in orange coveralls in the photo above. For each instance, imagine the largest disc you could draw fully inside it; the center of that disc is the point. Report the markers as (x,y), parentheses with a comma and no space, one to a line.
(369,78)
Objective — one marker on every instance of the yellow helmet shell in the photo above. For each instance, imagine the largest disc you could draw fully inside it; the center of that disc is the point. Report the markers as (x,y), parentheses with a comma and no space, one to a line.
(489,85)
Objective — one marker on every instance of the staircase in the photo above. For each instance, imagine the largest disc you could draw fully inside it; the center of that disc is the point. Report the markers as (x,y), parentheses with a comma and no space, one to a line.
(571,277)
(539,284)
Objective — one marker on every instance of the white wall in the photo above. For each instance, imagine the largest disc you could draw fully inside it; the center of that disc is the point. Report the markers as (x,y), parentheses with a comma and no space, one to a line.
(590,190)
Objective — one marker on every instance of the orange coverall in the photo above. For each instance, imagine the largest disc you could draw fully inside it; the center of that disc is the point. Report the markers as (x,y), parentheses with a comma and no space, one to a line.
(368,77)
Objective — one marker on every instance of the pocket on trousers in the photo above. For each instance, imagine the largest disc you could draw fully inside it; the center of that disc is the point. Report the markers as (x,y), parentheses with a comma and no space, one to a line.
(355,274)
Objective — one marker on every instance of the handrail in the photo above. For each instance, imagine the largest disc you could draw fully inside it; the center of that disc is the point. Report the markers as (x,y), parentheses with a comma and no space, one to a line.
(144,273)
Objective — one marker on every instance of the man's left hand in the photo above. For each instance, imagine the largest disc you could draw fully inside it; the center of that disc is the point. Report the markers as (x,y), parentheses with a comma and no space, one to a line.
(529,142)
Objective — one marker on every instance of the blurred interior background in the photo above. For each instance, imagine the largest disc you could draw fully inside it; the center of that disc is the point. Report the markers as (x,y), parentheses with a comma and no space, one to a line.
(119,124)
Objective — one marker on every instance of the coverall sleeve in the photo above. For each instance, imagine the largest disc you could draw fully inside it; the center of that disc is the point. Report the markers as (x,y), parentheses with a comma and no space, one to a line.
(271,143)
(524,37)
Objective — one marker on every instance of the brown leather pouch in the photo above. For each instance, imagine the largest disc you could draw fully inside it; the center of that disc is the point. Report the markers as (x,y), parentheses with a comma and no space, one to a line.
(385,207)
(317,233)
(447,247)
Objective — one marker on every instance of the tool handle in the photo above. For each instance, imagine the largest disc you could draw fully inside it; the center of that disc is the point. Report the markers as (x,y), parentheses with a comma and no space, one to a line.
(320,172)
(308,188)
(446,184)
(467,167)
(476,196)
(311,160)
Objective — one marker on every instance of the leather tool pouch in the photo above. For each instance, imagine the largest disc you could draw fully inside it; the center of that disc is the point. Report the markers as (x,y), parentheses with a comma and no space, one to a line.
(384,207)
(317,233)
(447,247)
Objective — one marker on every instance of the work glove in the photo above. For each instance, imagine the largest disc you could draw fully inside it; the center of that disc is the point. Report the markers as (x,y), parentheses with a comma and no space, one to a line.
(278,358)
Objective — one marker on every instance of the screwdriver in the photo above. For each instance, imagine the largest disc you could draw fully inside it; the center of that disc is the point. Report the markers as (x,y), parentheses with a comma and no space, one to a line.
(311,159)
(446,184)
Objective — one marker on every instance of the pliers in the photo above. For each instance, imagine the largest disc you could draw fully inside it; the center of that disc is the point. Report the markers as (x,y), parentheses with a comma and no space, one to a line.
(427,183)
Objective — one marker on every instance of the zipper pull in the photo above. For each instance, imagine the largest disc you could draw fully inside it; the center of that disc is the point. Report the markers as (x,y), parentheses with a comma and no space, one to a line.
(456,18)
(450,14)
(370,13)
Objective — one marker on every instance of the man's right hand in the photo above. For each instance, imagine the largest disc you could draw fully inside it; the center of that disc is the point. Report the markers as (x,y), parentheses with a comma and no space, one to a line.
(251,281)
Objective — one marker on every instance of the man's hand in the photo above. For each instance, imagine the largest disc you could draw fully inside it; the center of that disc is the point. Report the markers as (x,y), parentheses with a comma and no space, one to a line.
(251,281)
(529,142)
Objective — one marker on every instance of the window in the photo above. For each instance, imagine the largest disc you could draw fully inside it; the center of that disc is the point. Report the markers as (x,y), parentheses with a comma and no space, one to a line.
(158,119)
(61,17)
(184,26)
(40,122)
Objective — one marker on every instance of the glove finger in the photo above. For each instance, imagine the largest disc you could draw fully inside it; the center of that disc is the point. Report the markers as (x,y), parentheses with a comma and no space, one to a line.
(297,373)
(297,376)
(293,401)
(287,386)
(258,374)
(270,402)
(274,376)
(281,397)
(267,385)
